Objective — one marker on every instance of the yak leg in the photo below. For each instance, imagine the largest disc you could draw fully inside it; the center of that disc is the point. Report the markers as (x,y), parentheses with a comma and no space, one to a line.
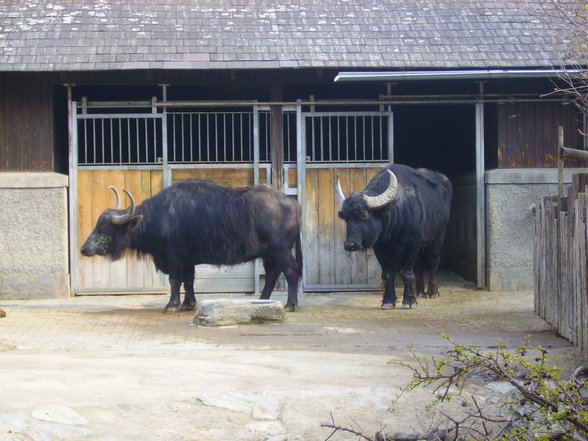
(292,274)
(272,273)
(406,272)
(388,276)
(418,272)
(189,303)
(434,251)
(175,280)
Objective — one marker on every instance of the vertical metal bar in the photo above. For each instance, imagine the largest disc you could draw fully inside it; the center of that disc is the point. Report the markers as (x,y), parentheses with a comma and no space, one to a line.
(255,134)
(347,143)
(355,135)
(256,144)
(191,137)
(94,140)
(381,125)
(145,120)
(225,136)
(330,137)
(301,177)
(103,146)
(313,155)
(111,140)
(200,158)
(129,139)
(137,138)
(166,172)
(364,137)
(391,137)
(208,137)
(233,140)
(480,195)
(72,123)
(120,135)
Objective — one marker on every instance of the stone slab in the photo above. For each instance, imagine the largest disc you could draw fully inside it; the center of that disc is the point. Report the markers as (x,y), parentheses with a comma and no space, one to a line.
(228,312)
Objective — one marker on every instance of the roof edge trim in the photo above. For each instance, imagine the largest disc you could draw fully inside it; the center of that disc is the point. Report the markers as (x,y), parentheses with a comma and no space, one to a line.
(453,74)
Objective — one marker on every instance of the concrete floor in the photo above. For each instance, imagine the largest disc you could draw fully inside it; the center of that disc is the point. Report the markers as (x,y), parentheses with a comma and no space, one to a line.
(115,367)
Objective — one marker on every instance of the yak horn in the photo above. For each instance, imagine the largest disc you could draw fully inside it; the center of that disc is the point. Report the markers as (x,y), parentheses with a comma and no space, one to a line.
(339,193)
(386,197)
(121,219)
(117,196)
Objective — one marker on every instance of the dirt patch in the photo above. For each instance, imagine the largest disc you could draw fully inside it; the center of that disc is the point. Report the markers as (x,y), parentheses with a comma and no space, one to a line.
(111,368)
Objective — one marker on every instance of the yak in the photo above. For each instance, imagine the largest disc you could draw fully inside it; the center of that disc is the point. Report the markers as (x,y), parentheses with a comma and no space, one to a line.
(402,214)
(201,222)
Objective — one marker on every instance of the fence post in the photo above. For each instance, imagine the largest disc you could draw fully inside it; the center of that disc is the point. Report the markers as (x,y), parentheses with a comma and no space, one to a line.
(560,144)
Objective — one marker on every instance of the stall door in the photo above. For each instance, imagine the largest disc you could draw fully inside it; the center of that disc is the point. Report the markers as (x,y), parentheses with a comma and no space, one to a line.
(98,275)
(354,146)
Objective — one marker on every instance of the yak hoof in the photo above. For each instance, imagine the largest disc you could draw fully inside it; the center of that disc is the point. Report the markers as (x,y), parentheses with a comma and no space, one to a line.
(410,304)
(290,308)
(187,307)
(387,306)
(170,309)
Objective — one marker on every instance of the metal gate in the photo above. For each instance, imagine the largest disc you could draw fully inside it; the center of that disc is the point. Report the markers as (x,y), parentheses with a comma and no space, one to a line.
(144,148)
(353,146)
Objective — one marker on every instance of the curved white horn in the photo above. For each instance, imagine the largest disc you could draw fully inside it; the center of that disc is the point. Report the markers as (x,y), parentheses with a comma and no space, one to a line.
(121,219)
(386,197)
(117,196)
(339,193)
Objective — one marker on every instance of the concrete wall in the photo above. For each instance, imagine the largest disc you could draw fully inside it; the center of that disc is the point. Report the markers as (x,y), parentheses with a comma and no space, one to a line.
(512,195)
(34,257)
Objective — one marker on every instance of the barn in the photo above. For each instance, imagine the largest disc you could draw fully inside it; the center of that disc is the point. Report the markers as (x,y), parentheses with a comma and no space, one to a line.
(141,94)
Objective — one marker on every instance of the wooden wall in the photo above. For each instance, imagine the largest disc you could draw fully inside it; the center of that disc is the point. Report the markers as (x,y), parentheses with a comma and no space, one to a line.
(27,141)
(527,133)
(561,262)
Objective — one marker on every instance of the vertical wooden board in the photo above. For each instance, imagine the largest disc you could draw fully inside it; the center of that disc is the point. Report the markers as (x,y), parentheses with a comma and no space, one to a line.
(501,123)
(374,270)
(358,258)
(342,261)
(310,225)
(326,222)
(101,200)
(530,133)
(548,138)
(118,269)
(85,226)
(156,181)
(135,267)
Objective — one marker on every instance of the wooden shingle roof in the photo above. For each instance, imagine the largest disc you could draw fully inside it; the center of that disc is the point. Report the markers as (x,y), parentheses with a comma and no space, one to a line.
(84,35)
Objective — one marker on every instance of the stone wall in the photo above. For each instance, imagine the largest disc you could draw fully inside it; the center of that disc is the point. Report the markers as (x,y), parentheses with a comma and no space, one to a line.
(34,257)
(512,195)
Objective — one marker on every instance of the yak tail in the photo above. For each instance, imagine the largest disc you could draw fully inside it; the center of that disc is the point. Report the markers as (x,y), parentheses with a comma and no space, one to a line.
(299,253)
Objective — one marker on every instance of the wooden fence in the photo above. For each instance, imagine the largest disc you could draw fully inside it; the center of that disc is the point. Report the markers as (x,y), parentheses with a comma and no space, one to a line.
(560,262)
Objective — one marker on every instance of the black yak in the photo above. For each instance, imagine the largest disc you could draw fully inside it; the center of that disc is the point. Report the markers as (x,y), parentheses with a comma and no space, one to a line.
(197,222)
(402,214)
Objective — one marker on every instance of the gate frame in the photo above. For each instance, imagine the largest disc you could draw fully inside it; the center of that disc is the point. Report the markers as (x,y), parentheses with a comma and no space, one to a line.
(303,165)
(165,166)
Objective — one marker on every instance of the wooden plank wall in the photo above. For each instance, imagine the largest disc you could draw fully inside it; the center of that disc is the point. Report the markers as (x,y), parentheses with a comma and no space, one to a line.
(325,260)
(561,262)
(527,133)
(97,274)
(26,123)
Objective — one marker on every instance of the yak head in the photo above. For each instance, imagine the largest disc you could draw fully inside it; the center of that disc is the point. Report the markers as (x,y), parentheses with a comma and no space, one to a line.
(110,236)
(359,210)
